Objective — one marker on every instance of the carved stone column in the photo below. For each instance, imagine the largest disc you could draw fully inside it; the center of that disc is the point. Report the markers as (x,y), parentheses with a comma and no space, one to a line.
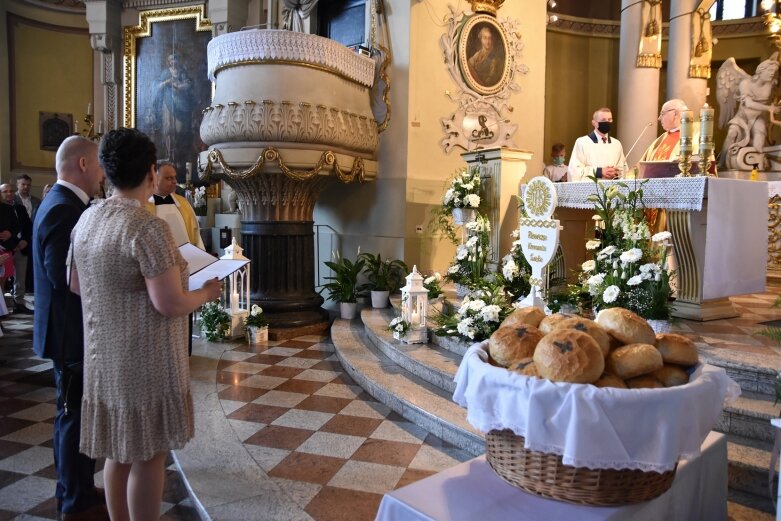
(638,90)
(105,29)
(685,80)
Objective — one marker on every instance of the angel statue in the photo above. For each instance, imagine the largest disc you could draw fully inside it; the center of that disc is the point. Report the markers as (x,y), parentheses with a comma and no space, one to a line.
(748,136)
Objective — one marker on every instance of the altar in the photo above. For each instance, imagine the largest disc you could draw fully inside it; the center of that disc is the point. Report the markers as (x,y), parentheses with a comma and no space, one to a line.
(472,490)
(719,229)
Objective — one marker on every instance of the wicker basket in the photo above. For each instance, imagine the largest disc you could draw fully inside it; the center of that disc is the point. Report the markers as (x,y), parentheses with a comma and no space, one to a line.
(545,475)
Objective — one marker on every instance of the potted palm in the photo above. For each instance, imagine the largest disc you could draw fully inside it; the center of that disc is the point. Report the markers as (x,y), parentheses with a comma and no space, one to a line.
(257,325)
(384,277)
(343,287)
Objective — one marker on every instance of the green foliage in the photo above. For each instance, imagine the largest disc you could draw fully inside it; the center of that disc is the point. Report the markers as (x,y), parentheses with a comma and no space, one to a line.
(344,282)
(256,318)
(215,321)
(479,315)
(442,221)
(383,275)
(471,262)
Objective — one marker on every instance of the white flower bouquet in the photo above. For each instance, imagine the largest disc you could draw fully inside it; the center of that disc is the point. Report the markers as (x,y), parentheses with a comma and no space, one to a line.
(433,283)
(469,266)
(399,327)
(464,190)
(199,200)
(478,317)
(515,270)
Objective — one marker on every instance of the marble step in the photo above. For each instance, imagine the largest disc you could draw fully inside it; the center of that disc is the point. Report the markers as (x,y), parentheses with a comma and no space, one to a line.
(413,398)
(749,417)
(429,362)
(748,464)
(754,373)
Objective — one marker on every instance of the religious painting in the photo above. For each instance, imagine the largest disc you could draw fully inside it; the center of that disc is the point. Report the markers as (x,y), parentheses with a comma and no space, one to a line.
(54,128)
(166,82)
(482,55)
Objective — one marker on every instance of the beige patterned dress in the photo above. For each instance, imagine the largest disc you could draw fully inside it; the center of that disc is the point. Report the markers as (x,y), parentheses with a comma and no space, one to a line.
(137,399)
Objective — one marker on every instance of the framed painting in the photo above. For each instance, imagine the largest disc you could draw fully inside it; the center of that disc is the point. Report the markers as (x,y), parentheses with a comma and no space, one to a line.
(54,128)
(165,80)
(482,55)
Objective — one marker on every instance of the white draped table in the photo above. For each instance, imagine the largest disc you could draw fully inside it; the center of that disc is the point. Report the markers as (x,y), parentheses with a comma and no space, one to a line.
(472,491)
(720,237)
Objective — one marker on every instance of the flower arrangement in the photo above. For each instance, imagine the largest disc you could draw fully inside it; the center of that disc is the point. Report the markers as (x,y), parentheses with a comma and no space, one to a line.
(199,201)
(399,327)
(344,282)
(464,191)
(469,266)
(433,283)
(215,321)
(478,317)
(256,318)
(629,268)
(515,270)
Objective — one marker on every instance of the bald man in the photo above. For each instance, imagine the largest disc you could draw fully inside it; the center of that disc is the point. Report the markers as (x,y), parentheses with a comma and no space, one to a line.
(22,249)
(58,330)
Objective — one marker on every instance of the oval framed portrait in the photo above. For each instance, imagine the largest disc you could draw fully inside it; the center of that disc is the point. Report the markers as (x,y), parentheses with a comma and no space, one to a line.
(482,54)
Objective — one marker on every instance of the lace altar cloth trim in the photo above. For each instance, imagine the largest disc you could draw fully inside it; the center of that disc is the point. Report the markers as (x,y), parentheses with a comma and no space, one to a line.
(598,428)
(269,44)
(675,193)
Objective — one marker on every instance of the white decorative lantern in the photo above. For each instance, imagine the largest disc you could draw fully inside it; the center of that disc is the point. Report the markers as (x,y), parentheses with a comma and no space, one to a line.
(235,297)
(414,308)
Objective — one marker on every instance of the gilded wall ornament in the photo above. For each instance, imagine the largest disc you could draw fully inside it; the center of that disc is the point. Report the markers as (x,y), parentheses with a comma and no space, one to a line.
(650,50)
(482,56)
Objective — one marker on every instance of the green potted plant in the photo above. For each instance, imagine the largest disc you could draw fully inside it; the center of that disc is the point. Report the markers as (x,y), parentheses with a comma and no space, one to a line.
(215,321)
(257,325)
(343,287)
(384,276)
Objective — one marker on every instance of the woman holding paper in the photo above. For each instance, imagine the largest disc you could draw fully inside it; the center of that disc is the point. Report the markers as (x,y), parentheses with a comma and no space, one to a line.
(126,266)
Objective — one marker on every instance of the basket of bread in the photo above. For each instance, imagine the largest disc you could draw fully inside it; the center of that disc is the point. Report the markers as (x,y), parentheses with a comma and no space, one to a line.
(592,412)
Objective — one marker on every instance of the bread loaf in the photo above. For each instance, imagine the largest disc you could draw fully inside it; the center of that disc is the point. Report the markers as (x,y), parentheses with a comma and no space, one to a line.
(589,327)
(645,381)
(529,315)
(609,380)
(525,367)
(626,326)
(677,349)
(634,360)
(548,324)
(568,355)
(511,344)
(671,375)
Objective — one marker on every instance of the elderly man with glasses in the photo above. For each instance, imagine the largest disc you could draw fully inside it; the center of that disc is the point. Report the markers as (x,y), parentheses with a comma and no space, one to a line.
(667,146)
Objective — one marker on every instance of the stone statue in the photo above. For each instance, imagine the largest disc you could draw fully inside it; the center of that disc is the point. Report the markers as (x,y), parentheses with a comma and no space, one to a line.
(756,99)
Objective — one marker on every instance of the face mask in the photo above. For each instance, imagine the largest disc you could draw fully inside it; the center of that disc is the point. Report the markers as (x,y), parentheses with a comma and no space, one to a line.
(558,160)
(603,127)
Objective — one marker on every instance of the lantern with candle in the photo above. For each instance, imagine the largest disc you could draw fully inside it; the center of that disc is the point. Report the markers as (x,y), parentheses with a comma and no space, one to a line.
(236,295)
(414,308)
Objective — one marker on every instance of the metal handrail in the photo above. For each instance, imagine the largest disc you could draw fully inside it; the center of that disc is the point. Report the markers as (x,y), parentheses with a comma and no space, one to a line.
(318,259)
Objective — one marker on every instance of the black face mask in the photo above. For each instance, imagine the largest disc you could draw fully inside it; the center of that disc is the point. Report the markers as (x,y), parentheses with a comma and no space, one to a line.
(604,127)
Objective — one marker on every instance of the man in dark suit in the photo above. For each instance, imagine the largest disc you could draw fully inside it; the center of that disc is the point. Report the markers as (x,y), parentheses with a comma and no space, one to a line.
(58,332)
(31,204)
(22,249)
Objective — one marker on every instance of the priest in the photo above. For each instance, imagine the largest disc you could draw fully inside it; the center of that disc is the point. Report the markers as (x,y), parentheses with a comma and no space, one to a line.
(667,147)
(173,208)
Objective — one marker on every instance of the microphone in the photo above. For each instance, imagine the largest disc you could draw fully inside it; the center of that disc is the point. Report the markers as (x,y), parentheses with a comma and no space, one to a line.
(638,138)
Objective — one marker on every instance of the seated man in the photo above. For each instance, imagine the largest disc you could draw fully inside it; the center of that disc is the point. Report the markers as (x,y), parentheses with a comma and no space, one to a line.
(597,153)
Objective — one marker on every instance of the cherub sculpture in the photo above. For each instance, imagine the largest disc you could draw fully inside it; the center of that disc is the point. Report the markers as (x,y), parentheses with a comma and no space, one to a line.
(756,100)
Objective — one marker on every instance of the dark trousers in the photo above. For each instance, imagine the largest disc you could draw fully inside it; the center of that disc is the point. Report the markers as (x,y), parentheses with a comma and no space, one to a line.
(75,471)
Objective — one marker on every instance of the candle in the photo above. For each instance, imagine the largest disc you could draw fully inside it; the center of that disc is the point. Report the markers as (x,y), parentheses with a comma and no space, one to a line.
(89,108)
(189,171)
(706,124)
(415,320)
(76,127)
(234,302)
(687,118)
(100,126)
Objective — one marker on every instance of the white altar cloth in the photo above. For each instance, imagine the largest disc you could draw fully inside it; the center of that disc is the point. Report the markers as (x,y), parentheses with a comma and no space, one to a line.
(472,491)
(678,193)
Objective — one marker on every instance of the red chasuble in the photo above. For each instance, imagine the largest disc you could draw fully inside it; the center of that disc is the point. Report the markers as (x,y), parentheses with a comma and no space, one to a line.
(665,149)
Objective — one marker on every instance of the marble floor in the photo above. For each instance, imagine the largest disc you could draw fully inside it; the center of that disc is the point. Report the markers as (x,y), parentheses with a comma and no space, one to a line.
(309,442)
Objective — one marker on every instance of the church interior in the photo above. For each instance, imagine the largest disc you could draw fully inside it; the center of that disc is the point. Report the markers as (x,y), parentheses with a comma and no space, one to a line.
(324,142)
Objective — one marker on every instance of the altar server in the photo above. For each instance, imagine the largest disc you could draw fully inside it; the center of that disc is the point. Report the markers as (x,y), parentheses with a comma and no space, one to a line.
(597,153)
(173,208)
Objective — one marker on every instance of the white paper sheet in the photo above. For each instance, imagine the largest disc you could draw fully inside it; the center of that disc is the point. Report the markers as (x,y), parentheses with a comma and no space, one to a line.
(203,266)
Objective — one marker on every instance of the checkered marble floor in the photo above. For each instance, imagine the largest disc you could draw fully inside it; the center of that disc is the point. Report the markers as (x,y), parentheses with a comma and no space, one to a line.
(27,409)
(311,428)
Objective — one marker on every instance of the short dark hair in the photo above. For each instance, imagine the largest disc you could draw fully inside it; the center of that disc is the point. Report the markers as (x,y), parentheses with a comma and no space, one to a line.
(25,177)
(164,162)
(126,154)
(556,148)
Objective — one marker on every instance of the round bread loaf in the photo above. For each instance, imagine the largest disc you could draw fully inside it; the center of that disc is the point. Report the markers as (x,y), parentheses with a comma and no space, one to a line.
(645,381)
(568,355)
(589,327)
(511,344)
(609,380)
(626,326)
(531,370)
(677,349)
(525,367)
(548,324)
(529,315)
(671,375)
(633,360)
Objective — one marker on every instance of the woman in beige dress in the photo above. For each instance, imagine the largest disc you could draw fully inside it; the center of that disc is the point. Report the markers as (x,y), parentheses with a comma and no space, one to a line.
(133,283)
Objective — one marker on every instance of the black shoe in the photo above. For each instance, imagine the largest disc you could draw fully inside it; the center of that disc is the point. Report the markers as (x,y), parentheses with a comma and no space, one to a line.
(22,309)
